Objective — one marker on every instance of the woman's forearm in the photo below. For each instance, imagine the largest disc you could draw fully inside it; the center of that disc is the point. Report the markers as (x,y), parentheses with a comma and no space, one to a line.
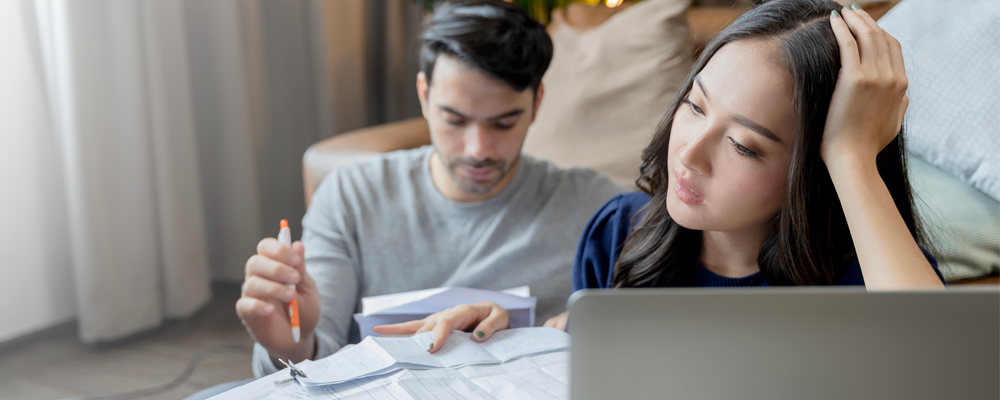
(888,254)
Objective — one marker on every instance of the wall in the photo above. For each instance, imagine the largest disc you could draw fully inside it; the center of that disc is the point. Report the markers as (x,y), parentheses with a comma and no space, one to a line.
(36,285)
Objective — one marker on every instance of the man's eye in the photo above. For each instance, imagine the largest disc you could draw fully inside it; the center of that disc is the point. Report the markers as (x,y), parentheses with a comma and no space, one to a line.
(693,107)
(454,122)
(504,125)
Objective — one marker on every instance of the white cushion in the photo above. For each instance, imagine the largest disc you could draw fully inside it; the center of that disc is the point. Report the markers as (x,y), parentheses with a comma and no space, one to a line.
(952,56)
(608,87)
(962,223)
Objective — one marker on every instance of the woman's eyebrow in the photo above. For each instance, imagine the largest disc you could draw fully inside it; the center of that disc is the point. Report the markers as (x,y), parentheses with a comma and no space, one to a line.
(697,80)
(760,129)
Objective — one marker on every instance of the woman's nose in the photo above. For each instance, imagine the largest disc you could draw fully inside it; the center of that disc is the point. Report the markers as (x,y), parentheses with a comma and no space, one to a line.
(695,155)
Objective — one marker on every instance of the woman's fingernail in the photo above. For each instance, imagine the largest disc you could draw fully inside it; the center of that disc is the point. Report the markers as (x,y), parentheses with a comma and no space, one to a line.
(480,334)
(834,14)
(293,276)
(856,6)
(430,346)
(289,294)
(267,309)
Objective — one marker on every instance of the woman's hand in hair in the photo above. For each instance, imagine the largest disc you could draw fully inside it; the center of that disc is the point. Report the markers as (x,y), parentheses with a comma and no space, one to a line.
(486,317)
(866,111)
(865,115)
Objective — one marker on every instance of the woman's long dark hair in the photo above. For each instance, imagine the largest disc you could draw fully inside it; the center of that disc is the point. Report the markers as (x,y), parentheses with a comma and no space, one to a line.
(811,243)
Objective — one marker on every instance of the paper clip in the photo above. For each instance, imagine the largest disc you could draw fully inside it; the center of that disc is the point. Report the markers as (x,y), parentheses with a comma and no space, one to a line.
(292,369)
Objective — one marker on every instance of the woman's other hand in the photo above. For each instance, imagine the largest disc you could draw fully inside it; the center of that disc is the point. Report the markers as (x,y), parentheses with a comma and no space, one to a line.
(866,111)
(558,321)
(486,317)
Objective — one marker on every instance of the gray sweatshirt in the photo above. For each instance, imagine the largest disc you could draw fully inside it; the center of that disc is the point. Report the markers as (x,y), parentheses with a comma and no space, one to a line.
(380,226)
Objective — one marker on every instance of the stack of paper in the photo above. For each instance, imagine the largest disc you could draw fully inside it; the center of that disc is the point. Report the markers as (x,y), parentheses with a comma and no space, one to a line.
(409,306)
(541,377)
(381,355)
(277,386)
(522,364)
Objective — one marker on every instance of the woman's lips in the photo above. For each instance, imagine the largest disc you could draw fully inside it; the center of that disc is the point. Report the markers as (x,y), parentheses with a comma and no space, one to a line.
(686,192)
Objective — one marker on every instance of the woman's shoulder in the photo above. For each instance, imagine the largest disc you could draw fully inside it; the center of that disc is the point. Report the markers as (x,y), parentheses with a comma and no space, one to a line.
(609,226)
(624,205)
(603,239)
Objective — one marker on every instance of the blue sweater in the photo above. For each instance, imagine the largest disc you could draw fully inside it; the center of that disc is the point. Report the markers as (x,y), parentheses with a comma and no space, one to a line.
(607,230)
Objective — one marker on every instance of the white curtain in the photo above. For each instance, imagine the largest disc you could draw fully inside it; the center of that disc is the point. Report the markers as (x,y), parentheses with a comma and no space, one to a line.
(270,78)
(116,76)
(180,126)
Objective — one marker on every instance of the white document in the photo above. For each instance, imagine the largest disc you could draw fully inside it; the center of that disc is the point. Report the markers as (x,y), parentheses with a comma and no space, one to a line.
(277,386)
(409,306)
(542,377)
(404,384)
(437,299)
(381,355)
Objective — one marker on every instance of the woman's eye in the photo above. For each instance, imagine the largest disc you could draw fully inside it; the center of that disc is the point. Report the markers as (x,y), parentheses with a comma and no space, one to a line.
(742,150)
(453,122)
(694,107)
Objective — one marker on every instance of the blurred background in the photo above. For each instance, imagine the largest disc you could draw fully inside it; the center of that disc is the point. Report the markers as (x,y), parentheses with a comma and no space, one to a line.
(148,145)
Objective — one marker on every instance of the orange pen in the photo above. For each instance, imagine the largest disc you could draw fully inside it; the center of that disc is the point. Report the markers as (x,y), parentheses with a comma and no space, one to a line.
(285,238)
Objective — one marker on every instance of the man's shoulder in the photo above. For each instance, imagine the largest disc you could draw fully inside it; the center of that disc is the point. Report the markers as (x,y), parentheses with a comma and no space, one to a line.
(577,182)
(376,173)
(393,162)
(389,166)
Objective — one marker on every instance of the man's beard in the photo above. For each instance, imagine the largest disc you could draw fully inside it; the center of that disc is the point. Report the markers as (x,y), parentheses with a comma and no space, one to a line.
(468,186)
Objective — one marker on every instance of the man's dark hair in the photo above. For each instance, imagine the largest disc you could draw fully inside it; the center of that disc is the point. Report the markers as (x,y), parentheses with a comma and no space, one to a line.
(497,37)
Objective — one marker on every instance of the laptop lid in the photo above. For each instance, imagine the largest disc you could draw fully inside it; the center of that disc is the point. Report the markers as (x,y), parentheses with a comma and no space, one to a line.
(784,343)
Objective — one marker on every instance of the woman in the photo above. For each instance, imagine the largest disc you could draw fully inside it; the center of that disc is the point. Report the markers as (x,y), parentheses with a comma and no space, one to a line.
(780,162)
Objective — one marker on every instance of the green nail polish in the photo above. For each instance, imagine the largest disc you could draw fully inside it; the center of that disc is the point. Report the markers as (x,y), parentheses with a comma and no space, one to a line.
(834,14)
(856,6)
(480,334)
(430,346)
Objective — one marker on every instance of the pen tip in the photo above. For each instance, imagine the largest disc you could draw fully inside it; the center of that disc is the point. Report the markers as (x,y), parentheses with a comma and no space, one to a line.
(284,223)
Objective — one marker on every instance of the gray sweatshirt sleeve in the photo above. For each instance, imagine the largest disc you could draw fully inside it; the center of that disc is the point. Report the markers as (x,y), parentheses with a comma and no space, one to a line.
(331,260)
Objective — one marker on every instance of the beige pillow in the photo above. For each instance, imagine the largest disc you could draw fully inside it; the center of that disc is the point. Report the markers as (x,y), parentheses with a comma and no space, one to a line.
(607,88)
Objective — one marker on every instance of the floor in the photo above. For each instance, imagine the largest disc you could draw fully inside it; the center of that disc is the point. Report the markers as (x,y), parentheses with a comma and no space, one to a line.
(60,368)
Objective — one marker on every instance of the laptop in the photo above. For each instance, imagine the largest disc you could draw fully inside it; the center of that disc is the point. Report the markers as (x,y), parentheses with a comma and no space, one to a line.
(784,343)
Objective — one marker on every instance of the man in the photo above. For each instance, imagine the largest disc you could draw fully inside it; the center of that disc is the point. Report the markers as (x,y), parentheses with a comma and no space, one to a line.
(469,210)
